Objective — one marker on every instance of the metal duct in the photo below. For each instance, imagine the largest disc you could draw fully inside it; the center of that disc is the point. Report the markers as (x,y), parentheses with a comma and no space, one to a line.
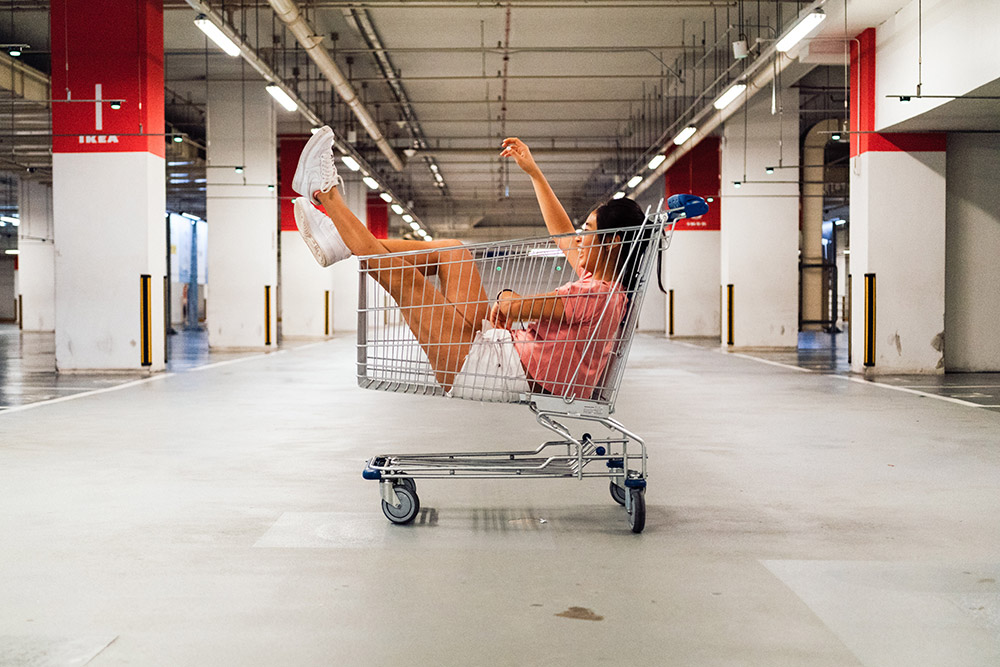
(288,12)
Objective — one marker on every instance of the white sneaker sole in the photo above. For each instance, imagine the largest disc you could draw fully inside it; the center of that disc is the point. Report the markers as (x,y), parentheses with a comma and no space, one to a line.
(318,143)
(320,234)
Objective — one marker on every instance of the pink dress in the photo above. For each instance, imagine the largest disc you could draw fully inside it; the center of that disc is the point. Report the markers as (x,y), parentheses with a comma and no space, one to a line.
(567,356)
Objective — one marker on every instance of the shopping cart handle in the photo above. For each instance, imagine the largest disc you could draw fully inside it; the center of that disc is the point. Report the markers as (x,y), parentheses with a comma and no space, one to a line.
(686,206)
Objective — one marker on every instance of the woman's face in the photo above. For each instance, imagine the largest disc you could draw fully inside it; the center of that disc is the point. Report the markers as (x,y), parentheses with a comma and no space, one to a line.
(594,252)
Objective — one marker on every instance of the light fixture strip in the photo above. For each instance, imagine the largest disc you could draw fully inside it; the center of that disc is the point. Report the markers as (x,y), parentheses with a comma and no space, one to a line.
(283,98)
(215,33)
(729,96)
(685,134)
(801,29)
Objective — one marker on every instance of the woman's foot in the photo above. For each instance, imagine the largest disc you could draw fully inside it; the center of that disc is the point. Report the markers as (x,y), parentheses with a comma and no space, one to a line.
(316,171)
(319,233)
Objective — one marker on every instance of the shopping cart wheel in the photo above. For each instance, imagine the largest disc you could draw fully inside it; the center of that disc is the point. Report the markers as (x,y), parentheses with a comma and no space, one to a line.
(637,517)
(617,492)
(409,505)
(408,482)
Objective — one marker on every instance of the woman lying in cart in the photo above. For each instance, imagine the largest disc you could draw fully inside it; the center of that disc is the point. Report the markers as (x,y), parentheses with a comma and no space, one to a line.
(566,336)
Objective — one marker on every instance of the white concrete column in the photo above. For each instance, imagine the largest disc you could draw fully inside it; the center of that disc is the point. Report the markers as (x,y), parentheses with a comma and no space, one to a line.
(972,246)
(653,316)
(37,258)
(897,235)
(344,275)
(108,177)
(691,266)
(242,216)
(760,227)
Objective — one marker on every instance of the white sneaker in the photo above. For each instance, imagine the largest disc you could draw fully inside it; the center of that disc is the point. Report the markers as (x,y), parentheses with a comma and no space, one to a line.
(316,171)
(319,233)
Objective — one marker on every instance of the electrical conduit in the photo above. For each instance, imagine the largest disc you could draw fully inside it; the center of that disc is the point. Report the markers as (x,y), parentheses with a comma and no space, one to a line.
(288,12)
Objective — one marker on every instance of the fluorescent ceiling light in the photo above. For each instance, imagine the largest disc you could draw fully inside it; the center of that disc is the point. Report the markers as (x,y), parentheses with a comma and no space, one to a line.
(15,251)
(684,135)
(434,168)
(370,182)
(414,226)
(351,163)
(408,218)
(618,195)
(7,218)
(397,209)
(215,34)
(801,29)
(729,96)
(428,238)
(634,181)
(279,94)
(191,216)
(438,178)
(386,197)
(657,161)
(421,233)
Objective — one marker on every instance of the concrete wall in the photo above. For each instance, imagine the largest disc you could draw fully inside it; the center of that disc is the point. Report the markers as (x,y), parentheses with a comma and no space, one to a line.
(959,44)
(972,249)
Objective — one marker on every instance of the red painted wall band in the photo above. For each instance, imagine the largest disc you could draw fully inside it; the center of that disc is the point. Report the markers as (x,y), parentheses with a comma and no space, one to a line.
(378,216)
(699,172)
(117,46)
(289,148)
(864,139)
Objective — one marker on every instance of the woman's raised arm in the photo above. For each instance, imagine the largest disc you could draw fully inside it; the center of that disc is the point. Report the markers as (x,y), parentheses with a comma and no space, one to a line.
(553,213)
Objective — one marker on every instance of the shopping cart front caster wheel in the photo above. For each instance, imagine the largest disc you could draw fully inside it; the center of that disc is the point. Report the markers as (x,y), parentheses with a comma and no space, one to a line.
(409,483)
(409,505)
(637,517)
(617,493)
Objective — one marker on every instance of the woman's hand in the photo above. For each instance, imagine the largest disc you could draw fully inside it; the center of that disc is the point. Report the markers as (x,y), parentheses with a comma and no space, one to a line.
(498,311)
(517,149)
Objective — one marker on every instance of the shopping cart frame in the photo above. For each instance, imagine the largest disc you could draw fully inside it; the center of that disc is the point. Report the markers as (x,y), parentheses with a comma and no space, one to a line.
(618,455)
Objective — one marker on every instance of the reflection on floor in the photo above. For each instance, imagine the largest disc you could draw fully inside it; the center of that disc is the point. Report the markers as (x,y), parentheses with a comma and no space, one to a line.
(28,366)
(820,352)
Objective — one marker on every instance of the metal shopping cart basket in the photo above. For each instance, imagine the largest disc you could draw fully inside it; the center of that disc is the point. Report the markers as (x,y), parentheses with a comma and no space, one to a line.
(391,359)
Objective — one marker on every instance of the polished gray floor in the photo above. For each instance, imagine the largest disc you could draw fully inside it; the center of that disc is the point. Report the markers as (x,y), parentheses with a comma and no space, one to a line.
(216,515)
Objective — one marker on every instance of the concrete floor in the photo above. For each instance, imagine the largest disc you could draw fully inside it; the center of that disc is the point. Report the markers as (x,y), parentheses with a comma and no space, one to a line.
(217,516)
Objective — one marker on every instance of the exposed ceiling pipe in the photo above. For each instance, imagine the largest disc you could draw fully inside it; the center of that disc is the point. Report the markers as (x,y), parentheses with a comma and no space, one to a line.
(288,12)
(708,119)
(361,20)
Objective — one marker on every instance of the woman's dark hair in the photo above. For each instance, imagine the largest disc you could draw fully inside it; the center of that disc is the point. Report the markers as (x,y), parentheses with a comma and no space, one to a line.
(618,214)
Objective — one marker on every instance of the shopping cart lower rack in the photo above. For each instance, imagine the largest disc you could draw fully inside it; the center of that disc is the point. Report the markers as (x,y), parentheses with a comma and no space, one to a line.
(391,359)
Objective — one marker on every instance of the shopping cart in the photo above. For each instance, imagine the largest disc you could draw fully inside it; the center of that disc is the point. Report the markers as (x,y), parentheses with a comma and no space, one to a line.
(391,359)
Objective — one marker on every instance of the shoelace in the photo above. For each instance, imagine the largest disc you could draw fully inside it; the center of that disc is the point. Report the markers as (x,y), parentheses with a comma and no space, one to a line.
(328,171)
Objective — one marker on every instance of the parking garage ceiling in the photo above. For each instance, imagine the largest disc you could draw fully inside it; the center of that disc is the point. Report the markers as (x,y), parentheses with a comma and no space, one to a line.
(596,87)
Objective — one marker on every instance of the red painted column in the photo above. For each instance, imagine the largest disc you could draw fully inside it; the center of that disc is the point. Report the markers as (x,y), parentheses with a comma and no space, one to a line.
(108,183)
(691,266)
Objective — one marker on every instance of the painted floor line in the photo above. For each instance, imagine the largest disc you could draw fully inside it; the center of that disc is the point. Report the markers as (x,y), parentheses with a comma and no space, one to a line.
(61,399)
(235,361)
(907,390)
(768,361)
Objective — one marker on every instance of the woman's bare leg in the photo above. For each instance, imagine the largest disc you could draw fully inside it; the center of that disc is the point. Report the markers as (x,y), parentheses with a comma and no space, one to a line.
(440,327)
(453,265)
